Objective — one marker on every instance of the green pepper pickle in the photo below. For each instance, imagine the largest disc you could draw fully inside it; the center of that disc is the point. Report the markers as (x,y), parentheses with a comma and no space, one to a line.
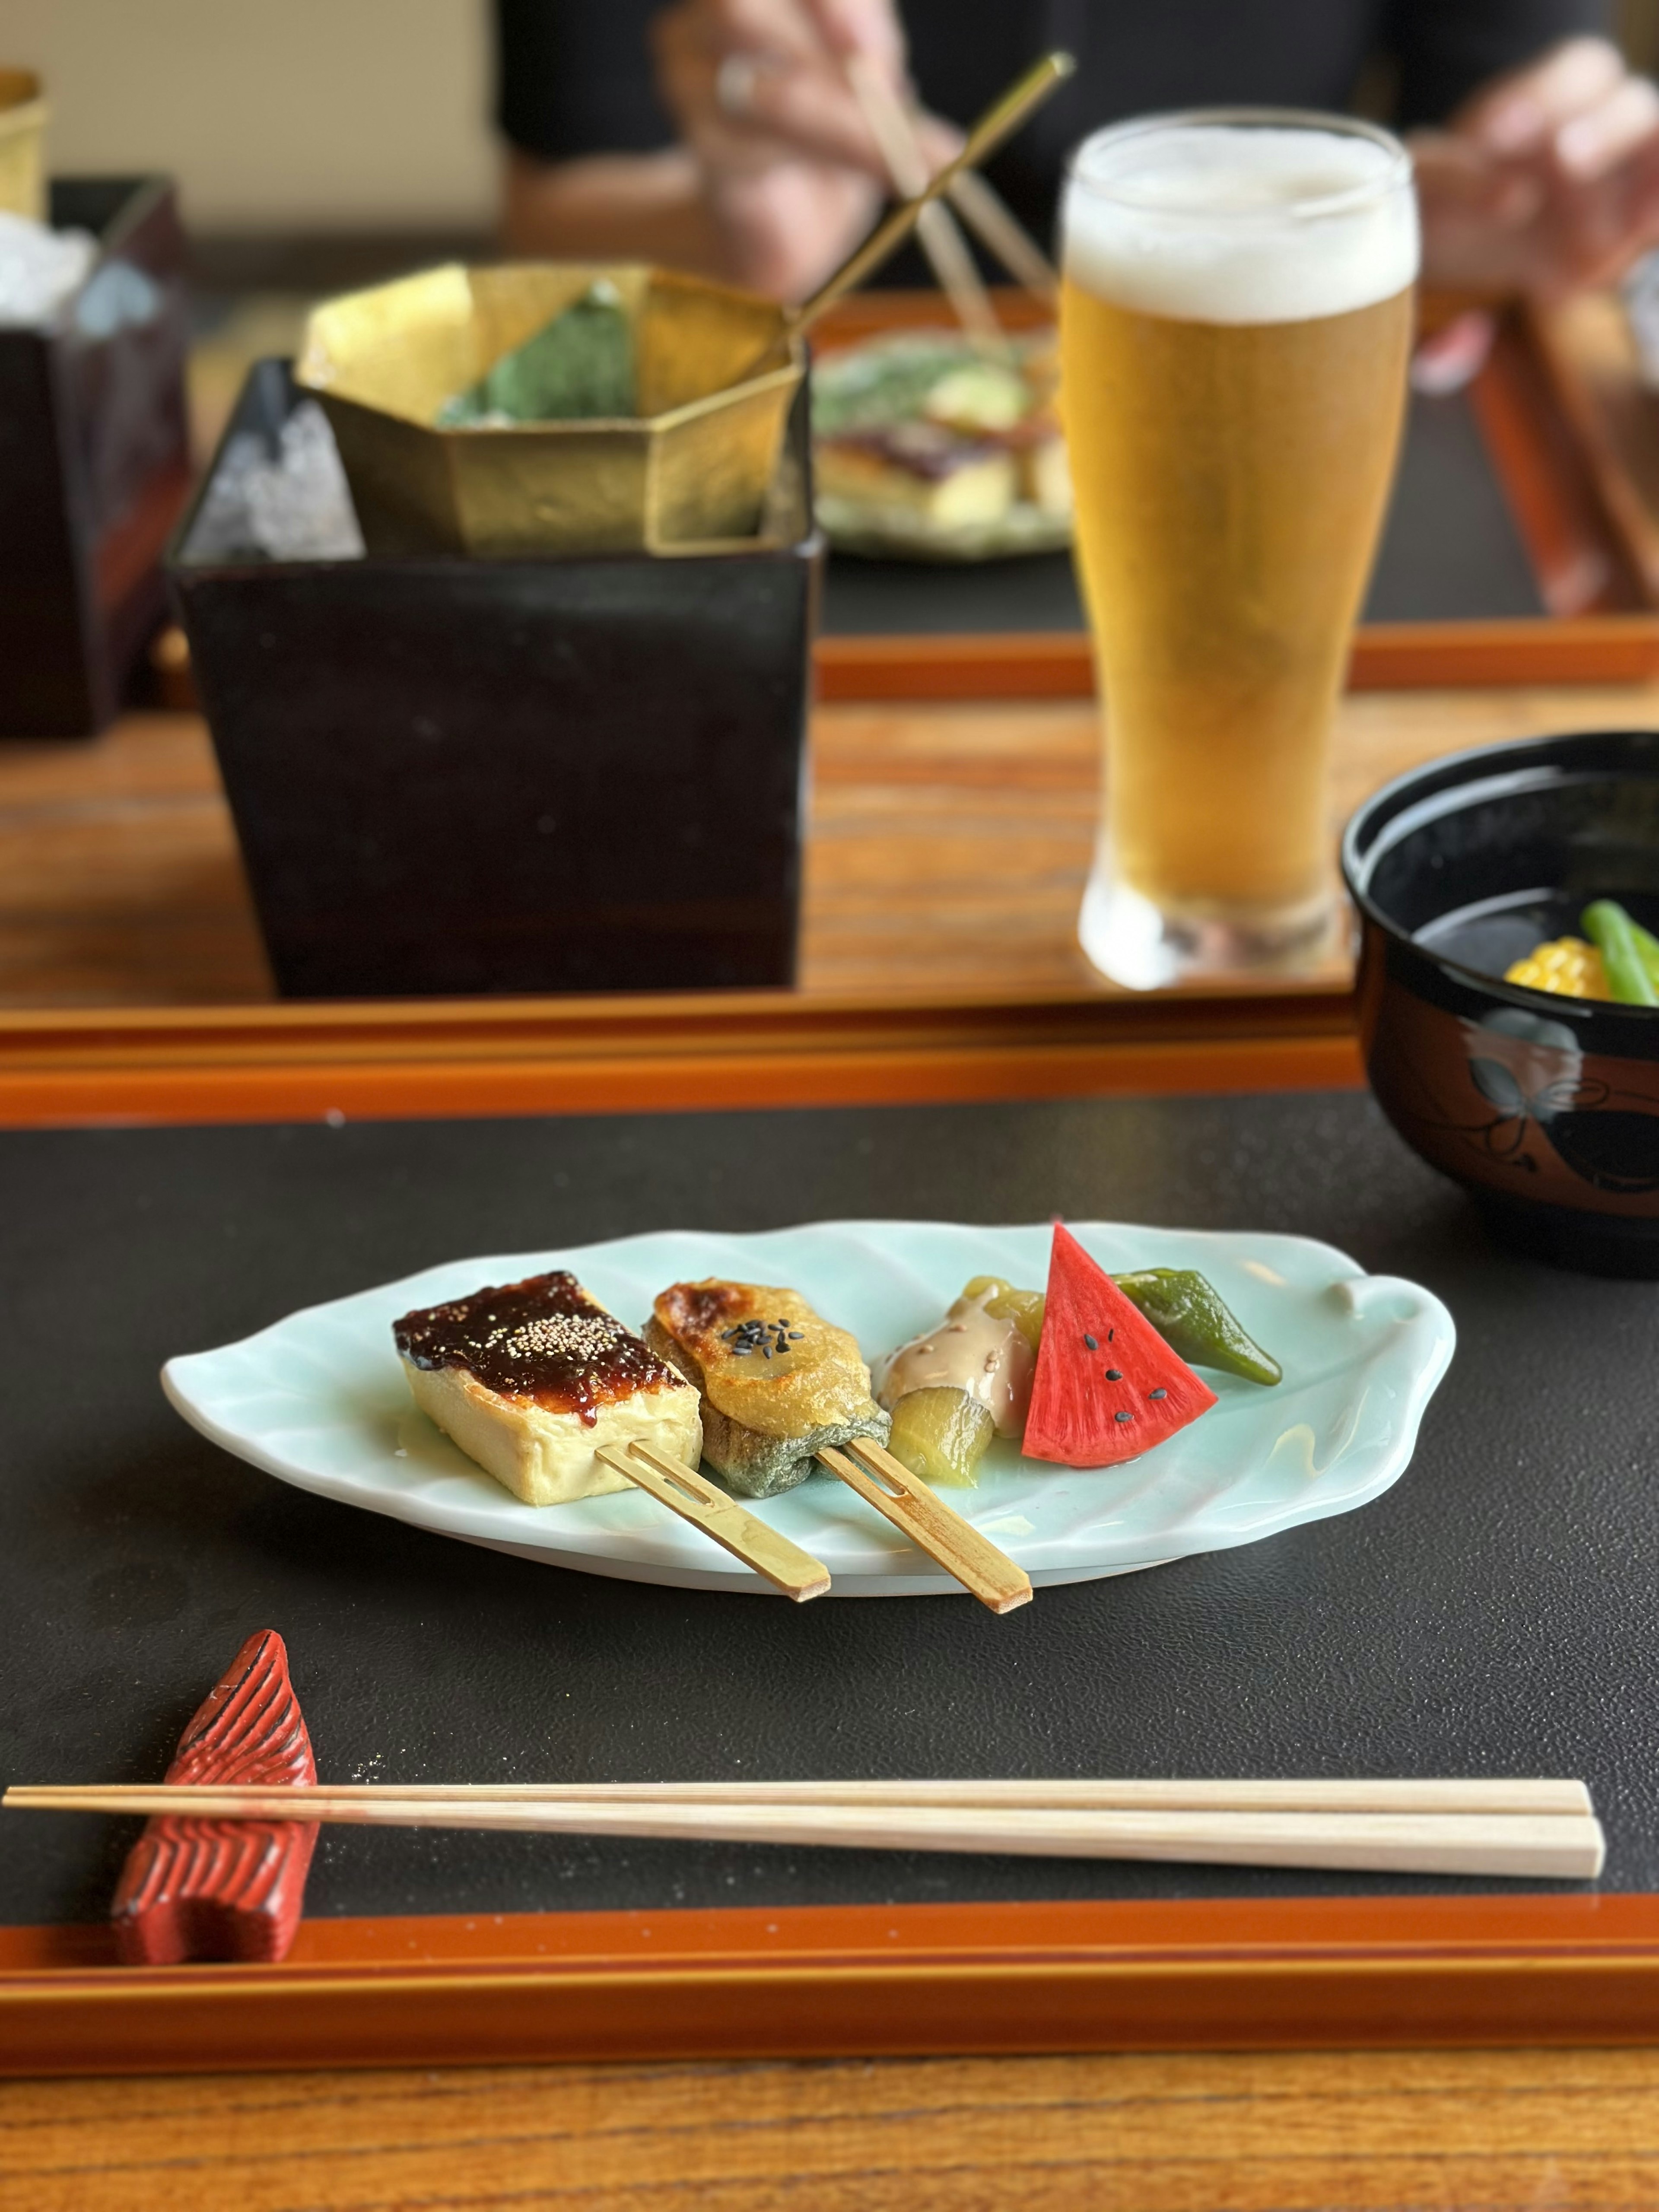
(1195,1323)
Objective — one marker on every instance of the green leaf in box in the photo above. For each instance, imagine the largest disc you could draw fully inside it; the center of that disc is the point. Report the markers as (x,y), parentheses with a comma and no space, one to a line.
(690,460)
(579,367)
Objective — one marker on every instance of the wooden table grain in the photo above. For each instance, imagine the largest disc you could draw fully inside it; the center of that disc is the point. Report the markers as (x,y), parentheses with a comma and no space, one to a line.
(948,850)
(1508,2131)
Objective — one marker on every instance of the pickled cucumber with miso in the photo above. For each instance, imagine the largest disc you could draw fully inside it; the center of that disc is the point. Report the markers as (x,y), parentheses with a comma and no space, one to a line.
(963,1381)
(941,1435)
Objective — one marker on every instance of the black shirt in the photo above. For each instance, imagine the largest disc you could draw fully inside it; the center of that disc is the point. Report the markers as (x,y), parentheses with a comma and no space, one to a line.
(575,76)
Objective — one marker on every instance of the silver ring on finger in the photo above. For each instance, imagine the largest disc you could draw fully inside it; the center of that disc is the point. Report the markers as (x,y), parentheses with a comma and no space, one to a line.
(734,86)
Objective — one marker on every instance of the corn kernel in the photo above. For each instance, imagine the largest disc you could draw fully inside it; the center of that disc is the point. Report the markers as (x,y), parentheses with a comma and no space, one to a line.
(1567,966)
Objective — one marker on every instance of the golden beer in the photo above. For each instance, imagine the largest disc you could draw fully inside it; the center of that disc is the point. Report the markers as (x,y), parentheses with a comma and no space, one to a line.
(1233,448)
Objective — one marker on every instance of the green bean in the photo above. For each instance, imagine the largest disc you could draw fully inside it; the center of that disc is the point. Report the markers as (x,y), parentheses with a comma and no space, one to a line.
(1189,1313)
(1613,933)
(1648,946)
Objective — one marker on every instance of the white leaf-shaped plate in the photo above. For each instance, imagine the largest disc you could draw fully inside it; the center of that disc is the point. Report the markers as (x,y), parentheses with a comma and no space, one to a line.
(319,1399)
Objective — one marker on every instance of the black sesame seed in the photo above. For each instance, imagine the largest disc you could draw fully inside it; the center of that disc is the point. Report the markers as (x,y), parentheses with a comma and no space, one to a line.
(1090,1344)
(1123,1417)
(1110,1333)
(1114,1374)
(1158,1393)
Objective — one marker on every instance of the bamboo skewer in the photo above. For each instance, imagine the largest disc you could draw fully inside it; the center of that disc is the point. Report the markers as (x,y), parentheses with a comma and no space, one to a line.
(932,1526)
(696,1499)
(1535,1845)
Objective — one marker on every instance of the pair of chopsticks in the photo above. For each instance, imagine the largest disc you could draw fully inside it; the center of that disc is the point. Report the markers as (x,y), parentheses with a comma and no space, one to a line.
(892,126)
(1004,116)
(990,1575)
(1524,1829)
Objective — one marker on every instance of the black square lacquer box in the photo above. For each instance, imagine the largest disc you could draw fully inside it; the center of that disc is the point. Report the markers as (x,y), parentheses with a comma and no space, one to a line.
(451,775)
(94,463)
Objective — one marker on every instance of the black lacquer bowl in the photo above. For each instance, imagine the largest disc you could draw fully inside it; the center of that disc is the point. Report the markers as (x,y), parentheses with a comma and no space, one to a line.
(1546,1109)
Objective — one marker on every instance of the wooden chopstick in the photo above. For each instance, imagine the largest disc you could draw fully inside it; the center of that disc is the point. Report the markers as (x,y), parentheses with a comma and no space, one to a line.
(1535,1846)
(696,1499)
(890,124)
(982,208)
(1479,1795)
(1004,116)
(932,1525)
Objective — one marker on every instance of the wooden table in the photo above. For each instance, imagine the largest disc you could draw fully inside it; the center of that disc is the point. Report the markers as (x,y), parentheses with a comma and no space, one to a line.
(949,849)
(1260,2133)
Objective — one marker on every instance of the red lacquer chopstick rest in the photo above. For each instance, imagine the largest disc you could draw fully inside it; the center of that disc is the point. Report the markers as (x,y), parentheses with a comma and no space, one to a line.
(225,1889)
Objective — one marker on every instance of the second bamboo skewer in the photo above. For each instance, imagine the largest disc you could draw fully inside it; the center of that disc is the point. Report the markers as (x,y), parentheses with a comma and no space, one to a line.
(932,1525)
(696,1499)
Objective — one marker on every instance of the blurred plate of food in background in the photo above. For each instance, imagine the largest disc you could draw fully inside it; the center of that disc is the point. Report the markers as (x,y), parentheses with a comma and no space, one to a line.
(927,448)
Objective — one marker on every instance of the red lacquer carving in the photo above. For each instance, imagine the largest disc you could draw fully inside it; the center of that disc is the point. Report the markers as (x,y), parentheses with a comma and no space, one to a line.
(225,1889)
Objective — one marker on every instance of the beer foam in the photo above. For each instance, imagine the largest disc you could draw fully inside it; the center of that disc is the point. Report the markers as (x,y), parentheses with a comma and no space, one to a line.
(1230,223)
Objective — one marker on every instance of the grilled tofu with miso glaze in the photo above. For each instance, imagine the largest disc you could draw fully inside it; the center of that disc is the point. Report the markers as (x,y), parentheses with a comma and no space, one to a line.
(530,1379)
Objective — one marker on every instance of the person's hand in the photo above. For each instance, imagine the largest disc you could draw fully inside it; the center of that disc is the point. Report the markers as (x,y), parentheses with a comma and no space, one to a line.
(791,176)
(1547,179)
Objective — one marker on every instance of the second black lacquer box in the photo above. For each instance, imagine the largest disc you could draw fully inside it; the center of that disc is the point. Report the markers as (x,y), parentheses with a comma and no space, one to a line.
(453,775)
(94,462)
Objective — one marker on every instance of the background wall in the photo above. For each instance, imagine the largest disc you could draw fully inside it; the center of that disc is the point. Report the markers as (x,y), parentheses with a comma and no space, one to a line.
(276,115)
(284,116)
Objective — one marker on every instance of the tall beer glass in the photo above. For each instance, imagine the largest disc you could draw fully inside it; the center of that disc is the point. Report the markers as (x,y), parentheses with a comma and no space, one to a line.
(1235,322)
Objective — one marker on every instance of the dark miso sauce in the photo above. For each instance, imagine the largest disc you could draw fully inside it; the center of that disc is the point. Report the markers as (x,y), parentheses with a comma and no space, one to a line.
(544,1339)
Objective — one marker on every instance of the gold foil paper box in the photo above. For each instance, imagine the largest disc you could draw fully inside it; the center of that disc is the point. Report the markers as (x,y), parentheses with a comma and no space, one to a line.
(694,468)
(22,144)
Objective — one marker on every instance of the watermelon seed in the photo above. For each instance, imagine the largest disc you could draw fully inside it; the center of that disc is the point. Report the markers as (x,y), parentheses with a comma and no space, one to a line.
(1089,1344)
(1158,1393)
(1123,1417)
(1114,1374)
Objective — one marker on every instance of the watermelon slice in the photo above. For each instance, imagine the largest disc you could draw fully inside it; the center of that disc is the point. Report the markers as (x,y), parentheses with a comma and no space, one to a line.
(1108,1387)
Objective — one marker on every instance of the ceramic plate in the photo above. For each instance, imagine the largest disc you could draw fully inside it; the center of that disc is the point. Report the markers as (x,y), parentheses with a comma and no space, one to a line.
(319,1400)
(879,534)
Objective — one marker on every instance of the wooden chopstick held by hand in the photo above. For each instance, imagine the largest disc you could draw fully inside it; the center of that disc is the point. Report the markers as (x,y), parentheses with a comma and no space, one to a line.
(1001,119)
(891,126)
(983,209)
(1556,1845)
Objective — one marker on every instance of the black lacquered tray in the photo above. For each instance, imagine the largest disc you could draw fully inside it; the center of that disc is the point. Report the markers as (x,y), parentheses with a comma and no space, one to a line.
(1451,552)
(1494,1612)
